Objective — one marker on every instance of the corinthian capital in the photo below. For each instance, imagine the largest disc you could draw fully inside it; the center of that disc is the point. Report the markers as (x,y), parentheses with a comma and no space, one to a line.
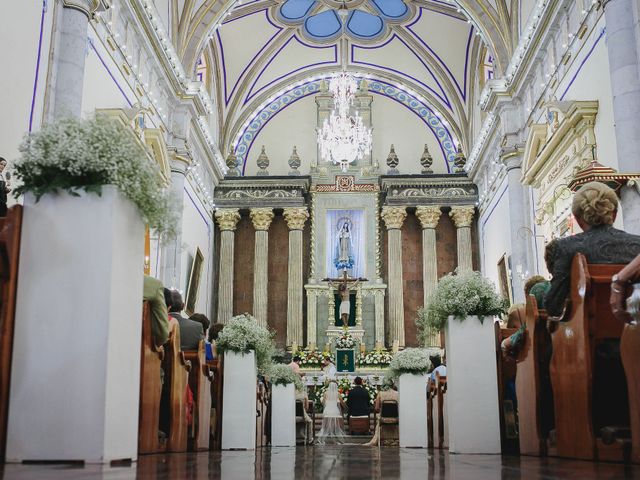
(428,216)
(227,218)
(394,217)
(296,217)
(462,216)
(85,6)
(261,218)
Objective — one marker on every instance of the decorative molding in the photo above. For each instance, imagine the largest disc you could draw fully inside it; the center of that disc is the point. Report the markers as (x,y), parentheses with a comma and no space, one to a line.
(261,218)
(85,6)
(414,190)
(429,216)
(266,191)
(345,184)
(393,217)
(462,216)
(227,218)
(296,217)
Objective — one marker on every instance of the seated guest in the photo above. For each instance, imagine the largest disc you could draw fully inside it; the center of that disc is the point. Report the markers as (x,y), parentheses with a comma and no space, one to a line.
(190,331)
(387,393)
(295,364)
(210,347)
(594,207)
(358,400)
(202,319)
(152,292)
(438,367)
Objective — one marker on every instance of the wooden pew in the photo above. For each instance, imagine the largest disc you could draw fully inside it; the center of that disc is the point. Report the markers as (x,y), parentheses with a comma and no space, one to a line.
(176,368)
(532,439)
(200,383)
(150,388)
(440,431)
(10,229)
(589,323)
(216,366)
(432,392)
(506,368)
(630,352)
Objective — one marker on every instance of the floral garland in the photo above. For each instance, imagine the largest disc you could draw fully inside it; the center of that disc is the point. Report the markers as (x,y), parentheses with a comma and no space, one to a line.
(313,358)
(346,340)
(376,358)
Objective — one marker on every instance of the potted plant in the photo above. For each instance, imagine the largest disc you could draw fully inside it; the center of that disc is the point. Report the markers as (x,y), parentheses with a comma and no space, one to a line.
(465,306)
(89,188)
(247,349)
(410,367)
(284,383)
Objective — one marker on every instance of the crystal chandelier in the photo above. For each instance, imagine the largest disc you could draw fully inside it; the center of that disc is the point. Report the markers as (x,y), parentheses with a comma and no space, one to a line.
(343,138)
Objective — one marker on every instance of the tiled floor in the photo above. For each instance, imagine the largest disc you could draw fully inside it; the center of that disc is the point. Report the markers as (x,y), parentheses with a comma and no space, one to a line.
(329,462)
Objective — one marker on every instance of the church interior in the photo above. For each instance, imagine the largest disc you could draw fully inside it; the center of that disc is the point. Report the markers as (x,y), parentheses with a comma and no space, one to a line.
(309,179)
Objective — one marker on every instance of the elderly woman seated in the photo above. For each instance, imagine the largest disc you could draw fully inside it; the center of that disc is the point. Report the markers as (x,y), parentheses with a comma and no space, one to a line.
(594,207)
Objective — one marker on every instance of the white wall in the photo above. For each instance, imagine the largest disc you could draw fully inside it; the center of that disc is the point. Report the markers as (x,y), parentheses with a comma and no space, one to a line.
(493,232)
(392,123)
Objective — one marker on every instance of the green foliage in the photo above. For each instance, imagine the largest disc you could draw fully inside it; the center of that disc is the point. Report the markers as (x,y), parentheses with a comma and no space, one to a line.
(280,374)
(460,296)
(72,155)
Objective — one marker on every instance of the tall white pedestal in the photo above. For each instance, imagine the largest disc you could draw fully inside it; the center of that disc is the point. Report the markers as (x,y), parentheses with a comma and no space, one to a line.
(412,400)
(239,401)
(283,416)
(75,381)
(472,386)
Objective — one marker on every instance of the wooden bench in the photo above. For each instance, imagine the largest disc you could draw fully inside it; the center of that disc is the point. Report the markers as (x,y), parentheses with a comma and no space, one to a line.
(10,229)
(530,366)
(590,324)
(176,369)
(216,367)
(200,377)
(506,369)
(150,388)
(630,352)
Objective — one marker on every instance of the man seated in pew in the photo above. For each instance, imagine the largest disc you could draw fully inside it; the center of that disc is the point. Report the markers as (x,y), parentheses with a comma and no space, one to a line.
(594,207)
(202,319)
(190,331)
(153,292)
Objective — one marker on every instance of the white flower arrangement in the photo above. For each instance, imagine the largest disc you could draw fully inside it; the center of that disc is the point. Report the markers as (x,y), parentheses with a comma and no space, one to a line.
(376,358)
(243,334)
(410,360)
(280,374)
(72,154)
(346,340)
(460,296)
(313,358)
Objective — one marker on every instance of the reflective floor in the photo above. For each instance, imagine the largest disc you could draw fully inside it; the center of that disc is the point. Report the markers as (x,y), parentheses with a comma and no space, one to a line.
(329,462)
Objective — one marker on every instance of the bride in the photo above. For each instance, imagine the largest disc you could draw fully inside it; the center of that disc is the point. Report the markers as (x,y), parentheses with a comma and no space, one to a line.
(332,421)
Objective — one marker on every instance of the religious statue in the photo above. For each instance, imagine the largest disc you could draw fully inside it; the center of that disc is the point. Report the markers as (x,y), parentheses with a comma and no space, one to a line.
(343,259)
(345,304)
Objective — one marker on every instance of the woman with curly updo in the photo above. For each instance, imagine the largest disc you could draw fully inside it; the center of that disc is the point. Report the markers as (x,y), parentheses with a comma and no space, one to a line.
(594,207)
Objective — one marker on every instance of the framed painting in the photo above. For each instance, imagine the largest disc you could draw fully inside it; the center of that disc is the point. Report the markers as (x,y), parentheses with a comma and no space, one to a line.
(504,278)
(194,282)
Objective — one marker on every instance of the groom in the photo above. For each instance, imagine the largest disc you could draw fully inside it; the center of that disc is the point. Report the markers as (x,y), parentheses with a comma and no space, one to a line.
(358,400)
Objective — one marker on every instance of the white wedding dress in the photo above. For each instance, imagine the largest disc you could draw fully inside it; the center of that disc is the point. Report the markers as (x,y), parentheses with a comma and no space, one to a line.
(332,421)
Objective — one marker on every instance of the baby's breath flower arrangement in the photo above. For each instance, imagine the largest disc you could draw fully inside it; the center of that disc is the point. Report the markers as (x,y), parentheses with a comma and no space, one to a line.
(71,155)
(346,340)
(377,358)
(243,334)
(280,374)
(461,296)
(313,358)
(410,360)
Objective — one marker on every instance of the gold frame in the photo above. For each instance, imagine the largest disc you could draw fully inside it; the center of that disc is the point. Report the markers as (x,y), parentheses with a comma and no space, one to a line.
(191,297)
(504,279)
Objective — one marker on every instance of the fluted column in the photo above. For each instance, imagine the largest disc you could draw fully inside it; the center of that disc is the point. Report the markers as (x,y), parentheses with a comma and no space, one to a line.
(621,17)
(295,218)
(394,218)
(227,219)
(429,217)
(312,317)
(379,319)
(69,54)
(261,218)
(462,218)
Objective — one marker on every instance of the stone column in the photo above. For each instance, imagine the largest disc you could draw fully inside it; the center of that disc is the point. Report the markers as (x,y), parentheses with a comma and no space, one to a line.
(429,217)
(69,55)
(621,18)
(519,224)
(312,316)
(295,218)
(227,219)
(379,320)
(394,218)
(462,217)
(261,218)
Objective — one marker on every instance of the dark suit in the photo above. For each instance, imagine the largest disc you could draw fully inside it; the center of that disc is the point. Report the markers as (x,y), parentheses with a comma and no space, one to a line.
(601,244)
(190,332)
(358,402)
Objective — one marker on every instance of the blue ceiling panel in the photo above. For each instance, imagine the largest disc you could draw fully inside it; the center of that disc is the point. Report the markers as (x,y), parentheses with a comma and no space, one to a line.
(296,9)
(363,24)
(323,25)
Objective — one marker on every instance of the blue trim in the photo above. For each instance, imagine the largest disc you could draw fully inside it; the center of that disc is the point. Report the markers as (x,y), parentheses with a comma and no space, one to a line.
(109,72)
(602,33)
(35,81)
(186,190)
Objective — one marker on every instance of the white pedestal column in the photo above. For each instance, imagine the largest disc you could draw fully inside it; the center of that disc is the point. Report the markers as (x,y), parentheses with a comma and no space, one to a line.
(261,218)
(239,401)
(283,416)
(394,218)
(295,217)
(227,219)
(412,404)
(75,381)
(472,386)
(462,218)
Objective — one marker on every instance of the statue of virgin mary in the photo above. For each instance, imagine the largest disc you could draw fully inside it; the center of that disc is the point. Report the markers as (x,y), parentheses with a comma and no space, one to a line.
(343,258)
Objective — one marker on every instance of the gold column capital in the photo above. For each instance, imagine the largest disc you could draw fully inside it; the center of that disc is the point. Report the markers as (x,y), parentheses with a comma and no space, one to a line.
(296,217)
(394,217)
(462,216)
(227,218)
(261,218)
(429,216)
(85,6)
